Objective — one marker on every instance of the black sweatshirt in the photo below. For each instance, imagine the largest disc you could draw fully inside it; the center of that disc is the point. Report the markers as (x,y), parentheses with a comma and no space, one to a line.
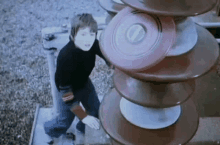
(75,65)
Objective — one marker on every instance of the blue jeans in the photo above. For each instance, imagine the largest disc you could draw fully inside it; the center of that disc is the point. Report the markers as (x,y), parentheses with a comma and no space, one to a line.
(87,96)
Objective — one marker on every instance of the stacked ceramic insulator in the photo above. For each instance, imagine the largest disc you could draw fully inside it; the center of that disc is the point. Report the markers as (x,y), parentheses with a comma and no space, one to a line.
(158,52)
(112,7)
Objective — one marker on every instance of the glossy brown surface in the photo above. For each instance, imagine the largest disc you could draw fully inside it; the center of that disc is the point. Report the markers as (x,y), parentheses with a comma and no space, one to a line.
(173,7)
(137,41)
(111,6)
(157,95)
(124,132)
(191,65)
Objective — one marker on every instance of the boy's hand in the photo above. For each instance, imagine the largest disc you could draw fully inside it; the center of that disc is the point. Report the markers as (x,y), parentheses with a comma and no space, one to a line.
(91,122)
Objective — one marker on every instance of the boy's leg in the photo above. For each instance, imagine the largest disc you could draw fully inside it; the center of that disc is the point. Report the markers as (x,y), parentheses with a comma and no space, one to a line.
(59,125)
(90,101)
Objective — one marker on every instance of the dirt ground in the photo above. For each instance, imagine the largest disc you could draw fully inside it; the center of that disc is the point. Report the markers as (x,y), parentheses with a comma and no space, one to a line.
(24,74)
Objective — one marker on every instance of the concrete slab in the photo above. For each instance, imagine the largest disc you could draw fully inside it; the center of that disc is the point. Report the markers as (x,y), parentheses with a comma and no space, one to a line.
(208,132)
(40,138)
(79,136)
(93,136)
(207,95)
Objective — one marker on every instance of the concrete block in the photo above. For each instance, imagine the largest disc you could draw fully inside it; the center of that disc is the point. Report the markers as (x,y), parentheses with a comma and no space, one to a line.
(96,137)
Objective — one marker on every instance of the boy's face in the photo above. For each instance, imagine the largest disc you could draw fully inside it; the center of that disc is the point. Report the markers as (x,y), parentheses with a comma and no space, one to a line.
(84,38)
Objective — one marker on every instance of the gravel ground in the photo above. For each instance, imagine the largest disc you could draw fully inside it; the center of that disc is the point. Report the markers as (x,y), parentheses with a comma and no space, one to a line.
(24,74)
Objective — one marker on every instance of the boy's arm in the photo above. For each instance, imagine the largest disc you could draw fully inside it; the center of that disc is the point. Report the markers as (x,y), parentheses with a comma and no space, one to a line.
(65,77)
(69,98)
(99,53)
(78,111)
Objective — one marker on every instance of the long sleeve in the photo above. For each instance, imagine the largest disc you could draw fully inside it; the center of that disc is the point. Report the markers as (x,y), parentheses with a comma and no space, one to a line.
(99,53)
(66,69)
(64,77)
(65,72)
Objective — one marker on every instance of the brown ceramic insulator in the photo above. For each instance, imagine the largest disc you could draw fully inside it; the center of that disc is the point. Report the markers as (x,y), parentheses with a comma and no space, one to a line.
(110,6)
(173,7)
(156,95)
(193,64)
(126,133)
(136,41)
(186,36)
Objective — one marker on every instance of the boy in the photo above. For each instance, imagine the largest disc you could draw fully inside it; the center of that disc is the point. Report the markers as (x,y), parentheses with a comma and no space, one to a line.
(75,62)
